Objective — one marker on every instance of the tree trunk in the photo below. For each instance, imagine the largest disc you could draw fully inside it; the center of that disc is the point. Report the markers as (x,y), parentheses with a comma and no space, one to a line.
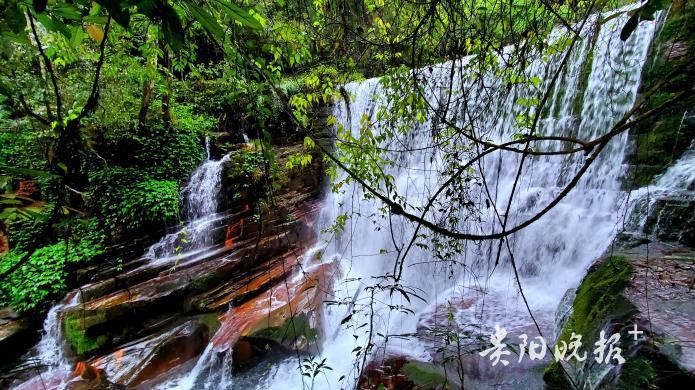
(166,99)
(148,87)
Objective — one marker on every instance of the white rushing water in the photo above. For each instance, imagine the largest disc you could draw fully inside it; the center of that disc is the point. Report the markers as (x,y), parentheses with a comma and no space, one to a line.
(200,204)
(552,254)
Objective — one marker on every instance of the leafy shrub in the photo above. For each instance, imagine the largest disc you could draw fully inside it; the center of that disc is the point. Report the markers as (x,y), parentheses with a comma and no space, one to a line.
(173,153)
(21,231)
(20,149)
(126,200)
(43,276)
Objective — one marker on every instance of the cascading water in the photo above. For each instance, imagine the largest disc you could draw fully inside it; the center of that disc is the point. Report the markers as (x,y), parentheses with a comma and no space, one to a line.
(552,254)
(200,203)
(677,182)
(50,353)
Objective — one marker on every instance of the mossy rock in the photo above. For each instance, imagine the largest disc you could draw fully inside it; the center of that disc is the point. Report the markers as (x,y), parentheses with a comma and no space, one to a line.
(78,339)
(661,139)
(423,375)
(292,331)
(599,301)
(555,378)
(599,298)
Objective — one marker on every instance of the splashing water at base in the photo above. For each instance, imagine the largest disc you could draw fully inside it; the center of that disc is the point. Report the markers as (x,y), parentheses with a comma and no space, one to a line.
(552,254)
(200,203)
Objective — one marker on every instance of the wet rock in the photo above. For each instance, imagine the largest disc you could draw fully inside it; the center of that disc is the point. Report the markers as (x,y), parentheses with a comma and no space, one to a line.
(153,356)
(16,334)
(649,286)
(83,377)
(281,319)
(672,219)
(396,373)
(140,321)
(146,307)
(675,50)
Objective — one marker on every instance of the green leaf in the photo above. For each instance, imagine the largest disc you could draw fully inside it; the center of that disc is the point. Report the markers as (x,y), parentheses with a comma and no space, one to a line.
(67,11)
(15,19)
(171,28)
(536,81)
(240,15)
(118,11)
(55,25)
(205,19)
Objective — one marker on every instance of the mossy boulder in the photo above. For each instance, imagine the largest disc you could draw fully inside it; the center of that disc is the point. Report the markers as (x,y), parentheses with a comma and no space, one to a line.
(611,298)
(598,304)
(77,337)
(662,138)
(399,372)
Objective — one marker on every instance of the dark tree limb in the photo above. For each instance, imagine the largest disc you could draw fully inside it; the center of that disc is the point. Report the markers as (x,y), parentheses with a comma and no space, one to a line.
(93,98)
(49,67)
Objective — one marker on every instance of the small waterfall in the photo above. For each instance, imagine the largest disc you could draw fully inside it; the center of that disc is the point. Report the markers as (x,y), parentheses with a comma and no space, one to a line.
(212,371)
(552,254)
(50,351)
(677,182)
(200,205)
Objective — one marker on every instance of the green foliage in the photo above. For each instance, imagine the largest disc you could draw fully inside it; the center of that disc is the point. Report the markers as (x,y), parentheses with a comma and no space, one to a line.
(173,153)
(599,298)
(20,147)
(77,337)
(126,200)
(637,373)
(43,276)
(22,230)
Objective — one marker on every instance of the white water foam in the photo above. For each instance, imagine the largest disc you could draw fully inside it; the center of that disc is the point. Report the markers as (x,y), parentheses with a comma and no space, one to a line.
(552,254)
(200,203)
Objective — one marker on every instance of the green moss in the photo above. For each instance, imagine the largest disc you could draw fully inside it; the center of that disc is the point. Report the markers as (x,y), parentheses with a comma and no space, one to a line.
(76,336)
(661,139)
(211,321)
(555,378)
(291,330)
(637,373)
(424,375)
(203,283)
(599,298)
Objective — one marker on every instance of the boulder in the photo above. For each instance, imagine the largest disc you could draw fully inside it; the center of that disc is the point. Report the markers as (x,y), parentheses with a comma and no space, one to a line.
(672,219)
(648,287)
(155,355)
(401,373)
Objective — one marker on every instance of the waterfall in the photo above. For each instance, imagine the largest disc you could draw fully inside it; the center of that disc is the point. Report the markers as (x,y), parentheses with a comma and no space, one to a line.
(50,351)
(552,254)
(200,204)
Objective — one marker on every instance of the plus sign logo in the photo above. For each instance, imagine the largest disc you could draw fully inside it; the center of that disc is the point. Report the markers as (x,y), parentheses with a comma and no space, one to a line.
(634,332)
